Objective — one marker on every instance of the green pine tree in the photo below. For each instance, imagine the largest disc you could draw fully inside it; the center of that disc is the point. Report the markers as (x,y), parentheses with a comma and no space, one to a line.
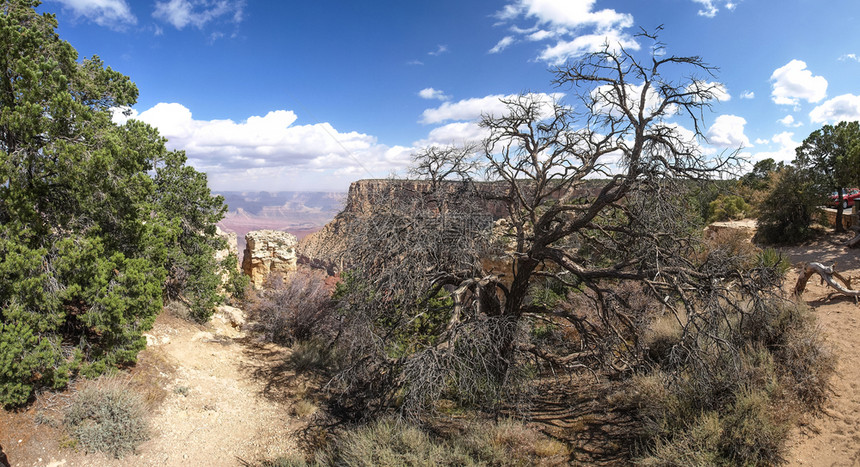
(88,236)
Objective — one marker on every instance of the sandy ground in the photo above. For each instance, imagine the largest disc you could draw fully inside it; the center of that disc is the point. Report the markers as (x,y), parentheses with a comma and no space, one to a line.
(213,407)
(832,438)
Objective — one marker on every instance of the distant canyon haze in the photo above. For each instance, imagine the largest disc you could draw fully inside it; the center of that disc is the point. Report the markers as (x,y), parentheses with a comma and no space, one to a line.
(299,212)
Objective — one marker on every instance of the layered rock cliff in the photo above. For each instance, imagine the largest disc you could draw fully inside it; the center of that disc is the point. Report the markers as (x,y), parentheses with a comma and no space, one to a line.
(325,249)
(267,252)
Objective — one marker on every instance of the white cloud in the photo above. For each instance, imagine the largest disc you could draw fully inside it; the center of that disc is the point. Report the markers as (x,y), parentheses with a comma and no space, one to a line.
(784,152)
(717,91)
(262,147)
(841,108)
(570,14)
(114,14)
(762,141)
(849,57)
(440,49)
(564,50)
(607,100)
(414,62)
(794,82)
(710,8)
(430,93)
(788,121)
(502,44)
(728,132)
(541,35)
(747,95)
(457,133)
(197,13)
(575,26)
(472,109)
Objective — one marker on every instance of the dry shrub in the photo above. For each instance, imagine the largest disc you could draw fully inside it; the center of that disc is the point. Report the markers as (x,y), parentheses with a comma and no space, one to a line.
(293,460)
(394,442)
(734,401)
(152,373)
(790,333)
(746,434)
(312,355)
(178,309)
(663,338)
(511,442)
(293,308)
(107,416)
(727,246)
(303,408)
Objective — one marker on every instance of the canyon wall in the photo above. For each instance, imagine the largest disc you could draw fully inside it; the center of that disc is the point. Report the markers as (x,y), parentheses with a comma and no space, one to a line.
(325,249)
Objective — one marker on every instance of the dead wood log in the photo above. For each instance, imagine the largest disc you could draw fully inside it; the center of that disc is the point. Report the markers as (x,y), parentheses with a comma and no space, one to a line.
(827,276)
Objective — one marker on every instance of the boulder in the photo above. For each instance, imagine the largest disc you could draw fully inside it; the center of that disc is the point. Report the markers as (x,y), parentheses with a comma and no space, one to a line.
(234,316)
(267,252)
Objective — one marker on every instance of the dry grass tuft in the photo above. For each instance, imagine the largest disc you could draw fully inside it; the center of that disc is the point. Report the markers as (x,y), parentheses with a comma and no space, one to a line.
(107,416)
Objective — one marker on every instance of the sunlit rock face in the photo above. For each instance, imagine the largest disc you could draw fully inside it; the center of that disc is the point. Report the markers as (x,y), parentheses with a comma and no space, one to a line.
(232,244)
(325,249)
(267,252)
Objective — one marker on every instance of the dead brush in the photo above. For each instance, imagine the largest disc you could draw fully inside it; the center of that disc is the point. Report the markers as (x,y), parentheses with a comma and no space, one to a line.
(293,308)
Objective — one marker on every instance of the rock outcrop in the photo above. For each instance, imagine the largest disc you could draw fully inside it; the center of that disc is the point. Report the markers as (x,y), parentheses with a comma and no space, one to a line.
(745,227)
(363,193)
(325,249)
(266,252)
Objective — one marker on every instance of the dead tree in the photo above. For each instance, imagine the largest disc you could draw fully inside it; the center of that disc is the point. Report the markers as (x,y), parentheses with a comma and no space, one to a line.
(594,209)
(827,274)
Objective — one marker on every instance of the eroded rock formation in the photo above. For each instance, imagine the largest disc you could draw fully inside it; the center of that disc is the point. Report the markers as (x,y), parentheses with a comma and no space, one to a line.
(266,252)
(325,249)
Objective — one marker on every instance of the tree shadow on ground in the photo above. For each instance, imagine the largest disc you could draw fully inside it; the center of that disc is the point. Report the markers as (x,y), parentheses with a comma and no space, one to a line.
(576,412)
(269,364)
(572,410)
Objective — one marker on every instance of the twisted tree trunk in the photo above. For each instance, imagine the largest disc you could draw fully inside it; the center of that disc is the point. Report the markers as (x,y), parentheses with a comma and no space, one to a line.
(827,275)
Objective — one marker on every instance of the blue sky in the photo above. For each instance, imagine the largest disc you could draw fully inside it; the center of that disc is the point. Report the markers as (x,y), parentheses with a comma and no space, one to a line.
(287,95)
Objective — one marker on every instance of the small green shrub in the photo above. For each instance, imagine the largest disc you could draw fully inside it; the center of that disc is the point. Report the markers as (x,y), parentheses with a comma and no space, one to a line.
(786,214)
(728,207)
(107,418)
(235,287)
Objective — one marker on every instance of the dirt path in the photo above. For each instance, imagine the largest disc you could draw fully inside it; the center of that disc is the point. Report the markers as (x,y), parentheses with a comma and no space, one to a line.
(832,438)
(211,405)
